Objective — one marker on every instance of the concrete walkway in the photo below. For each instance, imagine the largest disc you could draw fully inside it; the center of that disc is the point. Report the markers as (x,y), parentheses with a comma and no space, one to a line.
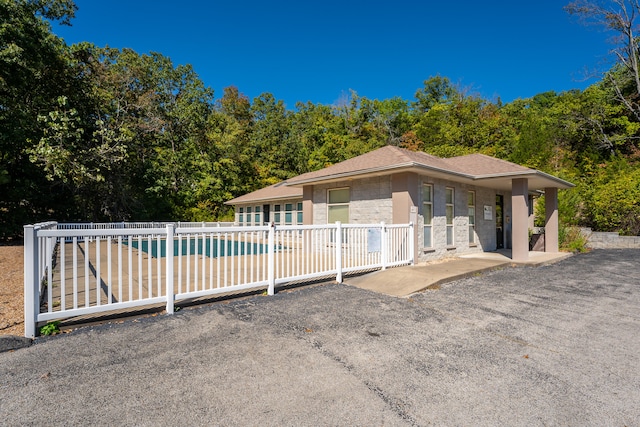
(404,281)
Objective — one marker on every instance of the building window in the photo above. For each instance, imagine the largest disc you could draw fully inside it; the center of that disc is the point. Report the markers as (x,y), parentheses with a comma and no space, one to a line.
(240,216)
(427,214)
(288,213)
(256,217)
(338,205)
(299,214)
(249,211)
(471,205)
(276,214)
(450,214)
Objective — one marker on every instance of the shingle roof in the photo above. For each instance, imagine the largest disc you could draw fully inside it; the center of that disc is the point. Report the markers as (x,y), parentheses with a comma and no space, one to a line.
(272,192)
(386,160)
(481,165)
(388,157)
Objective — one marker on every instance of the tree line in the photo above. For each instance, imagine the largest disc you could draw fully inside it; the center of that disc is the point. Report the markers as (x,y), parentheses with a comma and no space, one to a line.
(93,133)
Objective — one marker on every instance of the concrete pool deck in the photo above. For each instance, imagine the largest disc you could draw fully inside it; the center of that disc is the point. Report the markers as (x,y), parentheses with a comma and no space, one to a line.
(144,278)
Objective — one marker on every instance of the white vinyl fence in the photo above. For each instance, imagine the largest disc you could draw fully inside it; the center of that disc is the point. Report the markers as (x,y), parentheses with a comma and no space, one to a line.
(80,269)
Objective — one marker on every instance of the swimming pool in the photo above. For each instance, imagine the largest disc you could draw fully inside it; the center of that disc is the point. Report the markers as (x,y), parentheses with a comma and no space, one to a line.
(212,248)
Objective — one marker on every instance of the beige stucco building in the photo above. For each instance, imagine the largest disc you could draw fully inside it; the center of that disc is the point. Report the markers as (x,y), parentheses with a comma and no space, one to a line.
(459,205)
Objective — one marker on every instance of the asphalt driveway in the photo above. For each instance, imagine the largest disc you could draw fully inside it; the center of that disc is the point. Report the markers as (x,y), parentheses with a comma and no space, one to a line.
(554,345)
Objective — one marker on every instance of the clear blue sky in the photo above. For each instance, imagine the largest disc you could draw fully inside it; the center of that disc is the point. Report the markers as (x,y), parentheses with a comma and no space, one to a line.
(318,50)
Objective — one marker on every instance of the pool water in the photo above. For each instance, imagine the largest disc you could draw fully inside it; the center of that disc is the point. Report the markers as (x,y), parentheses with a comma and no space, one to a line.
(224,248)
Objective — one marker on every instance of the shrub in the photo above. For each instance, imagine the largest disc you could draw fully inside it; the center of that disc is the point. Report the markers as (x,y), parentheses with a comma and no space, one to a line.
(571,239)
(50,328)
(615,205)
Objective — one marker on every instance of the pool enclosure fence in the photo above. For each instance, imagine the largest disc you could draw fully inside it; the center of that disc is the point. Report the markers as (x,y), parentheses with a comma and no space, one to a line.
(79,269)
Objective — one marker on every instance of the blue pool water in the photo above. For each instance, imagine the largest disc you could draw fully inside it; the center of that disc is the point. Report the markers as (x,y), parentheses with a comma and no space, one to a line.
(225,248)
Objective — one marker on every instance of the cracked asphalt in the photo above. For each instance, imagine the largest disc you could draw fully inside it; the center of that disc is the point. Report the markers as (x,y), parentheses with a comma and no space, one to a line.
(554,345)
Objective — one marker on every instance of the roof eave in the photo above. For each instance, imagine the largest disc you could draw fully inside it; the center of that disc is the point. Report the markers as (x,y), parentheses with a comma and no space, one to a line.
(531,173)
(262,199)
(408,166)
(566,184)
(344,175)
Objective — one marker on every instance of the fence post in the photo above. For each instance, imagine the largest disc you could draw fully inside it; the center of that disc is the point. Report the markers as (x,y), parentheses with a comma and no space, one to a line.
(412,244)
(169,268)
(383,243)
(31,282)
(338,252)
(271,266)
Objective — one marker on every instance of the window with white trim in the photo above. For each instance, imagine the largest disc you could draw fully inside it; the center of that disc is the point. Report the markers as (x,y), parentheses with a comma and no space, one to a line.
(450,214)
(240,216)
(288,213)
(249,211)
(257,216)
(338,205)
(299,213)
(276,214)
(427,215)
(471,205)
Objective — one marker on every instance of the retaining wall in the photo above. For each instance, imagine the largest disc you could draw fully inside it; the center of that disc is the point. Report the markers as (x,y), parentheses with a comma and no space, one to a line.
(610,240)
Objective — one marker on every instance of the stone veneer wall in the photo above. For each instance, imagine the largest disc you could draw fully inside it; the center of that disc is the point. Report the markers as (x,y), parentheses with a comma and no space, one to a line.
(485,229)
(370,200)
(610,240)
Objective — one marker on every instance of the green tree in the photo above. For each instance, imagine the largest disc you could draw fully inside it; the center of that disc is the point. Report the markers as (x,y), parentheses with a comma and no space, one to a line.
(314,125)
(436,90)
(460,125)
(224,166)
(131,154)
(620,18)
(34,73)
(276,154)
(614,202)
(531,134)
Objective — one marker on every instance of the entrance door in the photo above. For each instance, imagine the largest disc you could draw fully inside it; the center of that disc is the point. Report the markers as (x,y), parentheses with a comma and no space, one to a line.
(265,214)
(499,221)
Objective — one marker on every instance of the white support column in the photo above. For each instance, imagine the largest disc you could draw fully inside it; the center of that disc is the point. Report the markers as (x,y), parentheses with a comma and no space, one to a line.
(551,228)
(520,220)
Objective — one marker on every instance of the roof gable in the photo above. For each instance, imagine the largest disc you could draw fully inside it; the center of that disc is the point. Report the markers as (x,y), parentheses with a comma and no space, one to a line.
(272,192)
(477,169)
(388,157)
(482,165)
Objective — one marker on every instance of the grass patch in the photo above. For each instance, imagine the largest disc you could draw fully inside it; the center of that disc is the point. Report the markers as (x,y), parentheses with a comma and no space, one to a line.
(571,239)
(50,328)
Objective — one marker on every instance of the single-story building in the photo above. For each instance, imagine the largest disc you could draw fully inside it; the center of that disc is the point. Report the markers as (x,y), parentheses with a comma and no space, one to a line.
(459,205)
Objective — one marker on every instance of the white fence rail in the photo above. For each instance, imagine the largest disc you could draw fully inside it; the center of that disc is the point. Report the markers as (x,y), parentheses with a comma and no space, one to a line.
(80,269)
